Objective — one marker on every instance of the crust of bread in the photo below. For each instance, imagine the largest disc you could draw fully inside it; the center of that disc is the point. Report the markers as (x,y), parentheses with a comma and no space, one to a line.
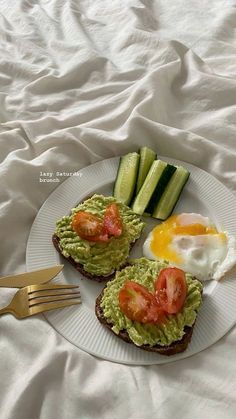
(174,348)
(79,266)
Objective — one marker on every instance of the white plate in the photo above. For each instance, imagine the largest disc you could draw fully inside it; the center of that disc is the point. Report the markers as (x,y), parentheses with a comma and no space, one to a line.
(202,194)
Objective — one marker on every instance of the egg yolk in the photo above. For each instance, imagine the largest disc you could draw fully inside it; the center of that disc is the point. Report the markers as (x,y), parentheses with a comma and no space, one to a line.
(193,229)
(163,234)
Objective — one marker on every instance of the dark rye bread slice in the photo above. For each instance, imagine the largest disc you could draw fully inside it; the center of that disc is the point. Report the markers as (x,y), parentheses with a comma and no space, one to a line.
(79,266)
(174,348)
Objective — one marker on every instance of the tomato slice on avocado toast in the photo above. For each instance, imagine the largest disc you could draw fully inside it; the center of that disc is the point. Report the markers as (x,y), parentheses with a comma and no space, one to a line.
(112,220)
(89,227)
(138,304)
(92,228)
(171,289)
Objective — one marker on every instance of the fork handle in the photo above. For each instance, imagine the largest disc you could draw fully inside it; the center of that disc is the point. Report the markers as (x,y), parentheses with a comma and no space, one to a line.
(6,310)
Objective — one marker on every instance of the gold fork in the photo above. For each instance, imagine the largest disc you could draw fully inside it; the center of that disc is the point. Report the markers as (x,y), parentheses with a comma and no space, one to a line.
(36,299)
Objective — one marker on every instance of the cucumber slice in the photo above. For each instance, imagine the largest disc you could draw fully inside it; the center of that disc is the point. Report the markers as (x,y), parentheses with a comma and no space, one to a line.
(171,194)
(142,199)
(126,178)
(156,196)
(147,157)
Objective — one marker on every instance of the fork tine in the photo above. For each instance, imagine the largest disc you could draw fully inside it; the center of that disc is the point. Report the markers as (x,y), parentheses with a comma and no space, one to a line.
(47,300)
(52,306)
(41,287)
(48,293)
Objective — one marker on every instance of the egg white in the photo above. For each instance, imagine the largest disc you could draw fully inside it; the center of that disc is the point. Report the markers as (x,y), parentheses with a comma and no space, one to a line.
(206,256)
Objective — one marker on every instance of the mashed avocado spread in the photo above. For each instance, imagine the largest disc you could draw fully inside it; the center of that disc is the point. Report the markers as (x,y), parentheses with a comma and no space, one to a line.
(99,258)
(145,271)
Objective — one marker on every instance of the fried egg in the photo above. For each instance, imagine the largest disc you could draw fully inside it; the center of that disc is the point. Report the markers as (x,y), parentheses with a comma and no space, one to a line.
(191,242)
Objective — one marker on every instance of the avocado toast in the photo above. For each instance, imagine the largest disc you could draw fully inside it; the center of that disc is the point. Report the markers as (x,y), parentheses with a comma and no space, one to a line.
(94,259)
(169,338)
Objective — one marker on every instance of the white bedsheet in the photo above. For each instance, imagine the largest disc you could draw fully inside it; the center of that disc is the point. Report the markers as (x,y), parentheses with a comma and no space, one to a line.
(81,81)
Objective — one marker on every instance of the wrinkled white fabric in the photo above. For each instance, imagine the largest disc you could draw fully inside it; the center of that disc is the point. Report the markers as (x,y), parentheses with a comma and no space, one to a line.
(81,81)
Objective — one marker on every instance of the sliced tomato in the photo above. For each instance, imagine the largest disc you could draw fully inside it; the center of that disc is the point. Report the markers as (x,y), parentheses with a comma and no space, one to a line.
(89,227)
(112,220)
(138,304)
(171,289)
(103,237)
